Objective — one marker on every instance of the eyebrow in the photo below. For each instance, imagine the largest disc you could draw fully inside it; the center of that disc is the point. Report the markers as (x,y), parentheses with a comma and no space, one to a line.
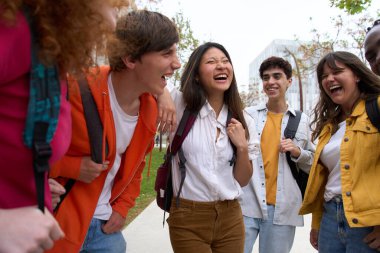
(275,73)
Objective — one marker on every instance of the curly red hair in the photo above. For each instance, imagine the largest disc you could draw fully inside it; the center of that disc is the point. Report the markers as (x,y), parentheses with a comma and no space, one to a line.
(69,30)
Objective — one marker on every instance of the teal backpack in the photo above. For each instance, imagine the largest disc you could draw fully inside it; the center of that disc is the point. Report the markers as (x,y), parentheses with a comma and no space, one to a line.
(42,114)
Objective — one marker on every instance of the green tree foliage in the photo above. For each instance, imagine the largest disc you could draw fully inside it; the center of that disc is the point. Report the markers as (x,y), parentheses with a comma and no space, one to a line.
(351,6)
(187,43)
(349,34)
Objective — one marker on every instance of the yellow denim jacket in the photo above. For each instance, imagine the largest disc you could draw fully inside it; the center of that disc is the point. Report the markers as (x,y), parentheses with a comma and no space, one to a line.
(359,168)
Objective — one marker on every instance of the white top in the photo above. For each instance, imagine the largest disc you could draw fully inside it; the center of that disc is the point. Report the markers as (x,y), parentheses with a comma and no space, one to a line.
(209,176)
(125,126)
(330,157)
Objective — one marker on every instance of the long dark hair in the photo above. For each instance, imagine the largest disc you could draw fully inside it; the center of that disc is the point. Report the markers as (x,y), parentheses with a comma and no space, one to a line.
(326,111)
(193,92)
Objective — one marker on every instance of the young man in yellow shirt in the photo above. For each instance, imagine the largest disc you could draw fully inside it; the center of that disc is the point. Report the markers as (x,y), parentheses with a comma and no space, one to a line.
(271,200)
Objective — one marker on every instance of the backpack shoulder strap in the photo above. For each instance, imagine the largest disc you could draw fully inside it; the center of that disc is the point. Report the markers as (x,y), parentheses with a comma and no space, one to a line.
(292,126)
(94,129)
(373,112)
(93,122)
(289,133)
(186,123)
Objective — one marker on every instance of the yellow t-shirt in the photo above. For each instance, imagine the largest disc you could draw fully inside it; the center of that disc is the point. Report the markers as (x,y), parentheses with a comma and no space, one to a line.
(270,148)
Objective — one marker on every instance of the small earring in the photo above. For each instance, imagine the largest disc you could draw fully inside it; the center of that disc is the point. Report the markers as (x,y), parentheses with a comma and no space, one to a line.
(357,81)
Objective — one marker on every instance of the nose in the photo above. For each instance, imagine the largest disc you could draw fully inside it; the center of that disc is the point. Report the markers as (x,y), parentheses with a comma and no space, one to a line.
(176,63)
(271,79)
(330,77)
(220,65)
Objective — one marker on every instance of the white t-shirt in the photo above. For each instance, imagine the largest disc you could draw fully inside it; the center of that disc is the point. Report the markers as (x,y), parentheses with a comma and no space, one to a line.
(209,176)
(330,157)
(125,126)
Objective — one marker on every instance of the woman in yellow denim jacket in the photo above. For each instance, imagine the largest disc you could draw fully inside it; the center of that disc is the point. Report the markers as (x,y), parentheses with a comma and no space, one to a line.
(343,191)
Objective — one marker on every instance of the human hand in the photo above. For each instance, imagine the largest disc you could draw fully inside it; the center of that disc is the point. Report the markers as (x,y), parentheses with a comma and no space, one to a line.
(314,238)
(236,133)
(167,118)
(114,224)
(373,238)
(56,190)
(287,145)
(89,170)
(27,229)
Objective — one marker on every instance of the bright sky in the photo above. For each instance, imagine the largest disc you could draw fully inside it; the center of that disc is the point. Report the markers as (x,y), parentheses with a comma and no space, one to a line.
(246,27)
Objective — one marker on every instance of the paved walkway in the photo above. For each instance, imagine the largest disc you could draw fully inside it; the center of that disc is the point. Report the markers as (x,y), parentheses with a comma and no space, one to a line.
(145,234)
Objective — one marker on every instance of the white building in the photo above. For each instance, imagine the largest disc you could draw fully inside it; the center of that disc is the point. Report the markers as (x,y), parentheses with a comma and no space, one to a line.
(309,84)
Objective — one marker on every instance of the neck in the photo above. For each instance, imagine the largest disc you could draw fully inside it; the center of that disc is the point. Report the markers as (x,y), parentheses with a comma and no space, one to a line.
(216,103)
(347,110)
(126,92)
(277,106)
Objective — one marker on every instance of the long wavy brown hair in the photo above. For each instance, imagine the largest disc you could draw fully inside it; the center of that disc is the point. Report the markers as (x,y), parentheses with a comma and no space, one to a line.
(326,111)
(71,33)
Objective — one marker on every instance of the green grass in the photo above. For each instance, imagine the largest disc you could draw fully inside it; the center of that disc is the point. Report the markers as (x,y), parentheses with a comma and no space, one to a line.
(147,194)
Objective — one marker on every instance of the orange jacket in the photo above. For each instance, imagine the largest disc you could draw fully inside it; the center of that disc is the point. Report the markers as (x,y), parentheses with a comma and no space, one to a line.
(77,209)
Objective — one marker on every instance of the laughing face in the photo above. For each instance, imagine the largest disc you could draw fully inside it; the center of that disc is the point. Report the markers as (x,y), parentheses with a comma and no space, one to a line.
(215,71)
(275,83)
(341,85)
(160,65)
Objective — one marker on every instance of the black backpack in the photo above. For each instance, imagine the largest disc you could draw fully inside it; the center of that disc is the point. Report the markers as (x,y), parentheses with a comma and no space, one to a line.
(373,112)
(300,176)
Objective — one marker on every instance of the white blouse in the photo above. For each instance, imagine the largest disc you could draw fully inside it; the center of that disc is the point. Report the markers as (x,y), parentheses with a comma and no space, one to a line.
(209,176)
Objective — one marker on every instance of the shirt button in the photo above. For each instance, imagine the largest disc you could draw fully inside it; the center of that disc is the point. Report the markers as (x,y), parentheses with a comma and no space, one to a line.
(355,221)
(346,166)
(368,128)
(346,139)
(348,194)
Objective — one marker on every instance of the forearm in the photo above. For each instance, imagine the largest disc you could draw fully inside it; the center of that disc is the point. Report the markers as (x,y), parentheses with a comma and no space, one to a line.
(243,166)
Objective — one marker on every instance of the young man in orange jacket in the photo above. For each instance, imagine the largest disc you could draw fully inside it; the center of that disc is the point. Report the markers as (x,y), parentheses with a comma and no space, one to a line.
(95,209)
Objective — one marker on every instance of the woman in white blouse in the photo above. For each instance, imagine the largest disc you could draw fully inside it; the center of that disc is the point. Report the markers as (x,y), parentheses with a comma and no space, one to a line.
(208,217)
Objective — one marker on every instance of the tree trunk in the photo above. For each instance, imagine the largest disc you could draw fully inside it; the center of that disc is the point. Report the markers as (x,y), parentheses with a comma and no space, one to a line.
(298,76)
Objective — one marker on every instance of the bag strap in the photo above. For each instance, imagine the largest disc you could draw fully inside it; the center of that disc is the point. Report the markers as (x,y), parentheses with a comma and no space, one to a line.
(186,123)
(93,122)
(373,112)
(94,129)
(42,113)
(290,133)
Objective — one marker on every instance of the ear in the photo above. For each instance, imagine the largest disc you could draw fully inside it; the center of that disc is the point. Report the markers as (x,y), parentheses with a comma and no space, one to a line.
(129,62)
(290,80)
